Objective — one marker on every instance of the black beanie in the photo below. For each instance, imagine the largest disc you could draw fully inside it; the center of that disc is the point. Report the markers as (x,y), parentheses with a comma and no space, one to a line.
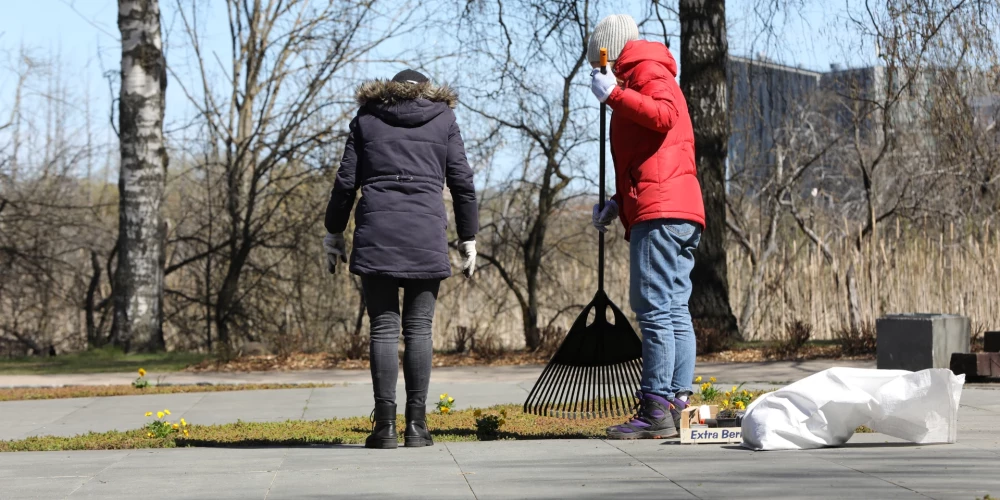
(410,76)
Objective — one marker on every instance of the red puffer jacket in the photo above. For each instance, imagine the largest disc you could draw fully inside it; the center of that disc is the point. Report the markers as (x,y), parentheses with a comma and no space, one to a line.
(652,142)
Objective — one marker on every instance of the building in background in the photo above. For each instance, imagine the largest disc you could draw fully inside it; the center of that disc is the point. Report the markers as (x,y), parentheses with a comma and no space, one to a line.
(764,99)
(769,100)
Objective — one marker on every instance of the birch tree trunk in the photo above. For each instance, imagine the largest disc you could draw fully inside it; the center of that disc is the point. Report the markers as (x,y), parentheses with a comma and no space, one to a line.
(139,278)
(704,51)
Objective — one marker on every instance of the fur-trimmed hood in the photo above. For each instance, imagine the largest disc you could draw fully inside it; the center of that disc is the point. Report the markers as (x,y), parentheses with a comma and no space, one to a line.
(390,92)
(405,104)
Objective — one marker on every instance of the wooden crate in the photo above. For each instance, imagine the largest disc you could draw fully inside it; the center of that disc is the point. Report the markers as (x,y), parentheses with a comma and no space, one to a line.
(704,435)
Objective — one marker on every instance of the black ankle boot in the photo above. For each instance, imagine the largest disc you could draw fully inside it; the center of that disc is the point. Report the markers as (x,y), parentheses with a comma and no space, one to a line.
(383,427)
(416,433)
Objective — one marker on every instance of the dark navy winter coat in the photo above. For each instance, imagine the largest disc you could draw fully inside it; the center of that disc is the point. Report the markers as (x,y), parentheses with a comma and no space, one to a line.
(404,147)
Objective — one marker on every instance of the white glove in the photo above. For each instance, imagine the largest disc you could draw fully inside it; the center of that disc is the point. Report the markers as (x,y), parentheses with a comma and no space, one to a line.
(602,84)
(336,249)
(604,217)
(468,251)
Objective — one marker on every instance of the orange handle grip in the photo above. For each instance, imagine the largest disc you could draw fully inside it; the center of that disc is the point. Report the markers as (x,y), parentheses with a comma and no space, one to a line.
(604,57)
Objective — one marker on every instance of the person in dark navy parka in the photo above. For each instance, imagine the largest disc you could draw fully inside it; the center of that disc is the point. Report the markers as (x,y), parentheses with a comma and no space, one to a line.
(404,147)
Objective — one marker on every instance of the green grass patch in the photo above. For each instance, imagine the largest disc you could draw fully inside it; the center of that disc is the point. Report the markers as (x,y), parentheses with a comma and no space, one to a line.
(84,391)
(100,361)
(454,427)
(458,426)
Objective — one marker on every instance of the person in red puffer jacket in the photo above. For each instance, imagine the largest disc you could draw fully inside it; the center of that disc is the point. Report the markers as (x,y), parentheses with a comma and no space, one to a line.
(659,202)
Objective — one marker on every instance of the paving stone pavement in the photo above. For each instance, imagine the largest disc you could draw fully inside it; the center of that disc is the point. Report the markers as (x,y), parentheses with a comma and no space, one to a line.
(871,466)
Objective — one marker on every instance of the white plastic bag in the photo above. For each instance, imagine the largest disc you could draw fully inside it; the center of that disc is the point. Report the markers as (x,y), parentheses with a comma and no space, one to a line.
(825,408)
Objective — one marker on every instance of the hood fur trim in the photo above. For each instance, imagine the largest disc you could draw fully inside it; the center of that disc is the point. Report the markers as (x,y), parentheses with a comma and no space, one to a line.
(388,91)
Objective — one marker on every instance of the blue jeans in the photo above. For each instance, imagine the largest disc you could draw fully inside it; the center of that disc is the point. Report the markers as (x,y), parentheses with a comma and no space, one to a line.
(662,257)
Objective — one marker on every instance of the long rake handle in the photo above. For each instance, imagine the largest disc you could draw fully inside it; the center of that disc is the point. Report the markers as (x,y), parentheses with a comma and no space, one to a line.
(600,245)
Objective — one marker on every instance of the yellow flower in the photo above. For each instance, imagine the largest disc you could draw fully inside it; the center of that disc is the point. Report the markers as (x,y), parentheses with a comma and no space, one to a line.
(698,380)
(451,400)
(740,405)
(183,423)
(185,433)
(142,372)
(725,402)
(443,396)
(159,414)
(705,386)
(149,414)
(167,412)
(734,389)
(745,393)
(477,413)
(712,380)
(149,434)
(176,426)
(445,410)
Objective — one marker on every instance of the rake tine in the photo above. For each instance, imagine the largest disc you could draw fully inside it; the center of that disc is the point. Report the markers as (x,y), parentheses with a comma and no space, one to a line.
(622,384)
(595,407)
(550,376)
(586,387)
(532,400)
(616,395)
(551,400)
(579,388)
(591,389)
(565,391)
(602,391)
(574,397)
(610,388)
(614,390)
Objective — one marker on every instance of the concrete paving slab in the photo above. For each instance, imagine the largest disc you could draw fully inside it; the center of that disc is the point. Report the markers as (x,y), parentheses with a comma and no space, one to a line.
(355,472)
(866,468)
(39,412)
(929,470)
(558,469)
(727,471)
(57,463)
(41,488)
(191,485)
(198,461)
(424,482)
(95,414)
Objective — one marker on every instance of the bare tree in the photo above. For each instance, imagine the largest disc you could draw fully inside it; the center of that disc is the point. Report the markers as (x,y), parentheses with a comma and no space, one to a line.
(540,64)
(263,132)
(704,53)
(139,278)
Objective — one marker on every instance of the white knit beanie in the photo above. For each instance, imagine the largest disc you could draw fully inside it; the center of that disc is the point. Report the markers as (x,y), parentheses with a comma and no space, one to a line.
(612,33)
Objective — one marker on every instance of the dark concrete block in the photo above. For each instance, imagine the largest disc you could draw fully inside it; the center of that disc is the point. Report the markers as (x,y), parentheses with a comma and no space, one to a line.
(991,341)
(979,366)
(964,364)
(920,341)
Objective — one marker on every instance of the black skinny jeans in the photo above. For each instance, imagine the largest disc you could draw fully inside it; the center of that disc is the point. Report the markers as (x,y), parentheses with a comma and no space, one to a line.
(382,301)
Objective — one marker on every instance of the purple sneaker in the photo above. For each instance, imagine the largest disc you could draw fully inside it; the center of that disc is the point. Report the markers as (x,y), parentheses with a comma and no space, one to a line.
(653,420)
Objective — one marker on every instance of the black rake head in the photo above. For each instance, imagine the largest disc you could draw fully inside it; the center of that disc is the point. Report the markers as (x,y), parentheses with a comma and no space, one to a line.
(596,371)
